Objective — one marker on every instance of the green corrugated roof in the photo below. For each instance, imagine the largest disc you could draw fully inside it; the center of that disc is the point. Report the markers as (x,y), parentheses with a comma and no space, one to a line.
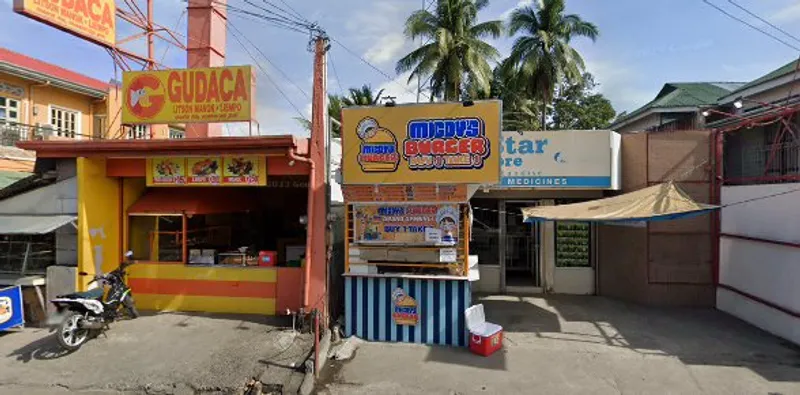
(777,73)
(685,94)
(9,177)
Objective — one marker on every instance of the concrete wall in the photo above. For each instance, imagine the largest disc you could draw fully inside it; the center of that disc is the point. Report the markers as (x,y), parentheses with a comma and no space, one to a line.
(662,263)
(767,271)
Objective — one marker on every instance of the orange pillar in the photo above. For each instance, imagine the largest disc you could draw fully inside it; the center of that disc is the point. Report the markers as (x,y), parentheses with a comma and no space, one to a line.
(205,47)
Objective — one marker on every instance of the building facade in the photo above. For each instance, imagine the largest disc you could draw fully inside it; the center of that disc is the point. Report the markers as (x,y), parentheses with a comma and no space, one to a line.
(758,162)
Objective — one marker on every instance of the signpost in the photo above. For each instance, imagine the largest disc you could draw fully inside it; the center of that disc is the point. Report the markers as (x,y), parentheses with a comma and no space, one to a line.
(216,94)
(421,143)
(243,170)
(11,310)
(93,20)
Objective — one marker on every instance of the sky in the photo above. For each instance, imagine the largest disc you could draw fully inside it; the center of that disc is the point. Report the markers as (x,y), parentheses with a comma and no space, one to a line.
(643,44)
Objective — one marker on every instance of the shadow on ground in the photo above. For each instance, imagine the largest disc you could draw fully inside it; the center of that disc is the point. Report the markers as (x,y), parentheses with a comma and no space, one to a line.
(587,323)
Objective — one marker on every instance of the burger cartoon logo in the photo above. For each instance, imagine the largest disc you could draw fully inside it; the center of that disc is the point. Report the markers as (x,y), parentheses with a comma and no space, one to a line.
(405,308)
(6,309)
(145,96)
(378,151)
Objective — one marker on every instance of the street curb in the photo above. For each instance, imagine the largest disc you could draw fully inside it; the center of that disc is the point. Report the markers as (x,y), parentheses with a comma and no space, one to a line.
(310,376)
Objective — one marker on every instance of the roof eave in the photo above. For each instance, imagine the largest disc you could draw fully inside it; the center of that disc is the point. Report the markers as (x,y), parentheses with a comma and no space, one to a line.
(759,88)
(653,110)
(272,145)
(45,78)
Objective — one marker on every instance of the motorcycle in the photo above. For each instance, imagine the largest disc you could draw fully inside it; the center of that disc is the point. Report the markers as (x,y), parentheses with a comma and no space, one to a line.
(90,312)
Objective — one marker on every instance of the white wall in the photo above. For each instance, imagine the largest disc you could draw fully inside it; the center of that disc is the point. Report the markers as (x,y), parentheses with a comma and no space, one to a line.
(768,271)
(773,218)
(58,198)
(573,280)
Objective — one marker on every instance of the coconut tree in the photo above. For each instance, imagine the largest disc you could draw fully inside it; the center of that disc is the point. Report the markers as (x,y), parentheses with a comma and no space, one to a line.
(362,97)
(455,52)
(334,111)
(541,56)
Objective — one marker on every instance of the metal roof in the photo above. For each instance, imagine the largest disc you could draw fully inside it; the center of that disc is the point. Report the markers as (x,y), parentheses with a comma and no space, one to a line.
(681,95)
(33,224)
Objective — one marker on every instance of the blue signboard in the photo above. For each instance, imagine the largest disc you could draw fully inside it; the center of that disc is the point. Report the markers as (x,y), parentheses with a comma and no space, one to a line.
(11,313)
(556,159)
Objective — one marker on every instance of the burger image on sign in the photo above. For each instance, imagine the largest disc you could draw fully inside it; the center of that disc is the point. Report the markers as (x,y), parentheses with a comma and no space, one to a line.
(378,150)
(6,310)
(144,97)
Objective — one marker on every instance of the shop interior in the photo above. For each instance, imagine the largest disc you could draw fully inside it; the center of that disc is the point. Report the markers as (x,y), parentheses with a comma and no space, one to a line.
(499,222)
(221,226)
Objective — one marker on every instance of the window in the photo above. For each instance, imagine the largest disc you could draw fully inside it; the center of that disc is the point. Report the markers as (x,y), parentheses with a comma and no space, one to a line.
(176,133)
(100,126)
(66,122)
(156,238)
(9,110)
(23,254)
(138,132)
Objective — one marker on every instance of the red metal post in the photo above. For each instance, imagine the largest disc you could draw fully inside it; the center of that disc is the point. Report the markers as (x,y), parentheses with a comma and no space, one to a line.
(718,142)
(150,43)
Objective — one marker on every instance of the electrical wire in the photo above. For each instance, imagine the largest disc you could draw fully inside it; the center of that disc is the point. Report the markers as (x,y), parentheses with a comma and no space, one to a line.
(740,20)
(335,73)
(387,76)
(272,63)
(235,33)
(772,25)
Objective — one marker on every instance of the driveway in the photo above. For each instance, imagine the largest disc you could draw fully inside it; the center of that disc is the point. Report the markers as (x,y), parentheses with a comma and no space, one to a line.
(579,345)
(160,353)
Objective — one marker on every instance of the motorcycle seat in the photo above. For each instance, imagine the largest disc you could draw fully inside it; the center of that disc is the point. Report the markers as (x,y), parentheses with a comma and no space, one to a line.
(96,293)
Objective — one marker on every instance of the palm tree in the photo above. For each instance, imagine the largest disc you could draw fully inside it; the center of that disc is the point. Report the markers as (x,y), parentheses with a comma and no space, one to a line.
(455,53)
(362,97)
(542,56)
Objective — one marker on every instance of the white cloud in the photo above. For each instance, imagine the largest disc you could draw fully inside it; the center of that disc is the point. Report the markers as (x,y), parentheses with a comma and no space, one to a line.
(618,84)
(378,27)
(521,3)
(401,89)
(789,13)
(387,49)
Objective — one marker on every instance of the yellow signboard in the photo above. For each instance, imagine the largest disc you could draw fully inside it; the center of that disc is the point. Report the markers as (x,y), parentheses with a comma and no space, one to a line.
(242,170)
(93,20)
(217,94)
(427,143)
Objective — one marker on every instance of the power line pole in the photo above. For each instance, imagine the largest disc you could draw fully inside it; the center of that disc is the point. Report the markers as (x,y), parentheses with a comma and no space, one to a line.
(419,77)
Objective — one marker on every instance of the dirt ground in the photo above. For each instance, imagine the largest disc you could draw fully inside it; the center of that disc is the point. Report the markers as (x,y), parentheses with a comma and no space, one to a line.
(158,354)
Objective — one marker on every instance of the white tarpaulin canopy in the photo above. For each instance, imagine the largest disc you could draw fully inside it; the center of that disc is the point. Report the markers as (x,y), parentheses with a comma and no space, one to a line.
(656,203)
(33,224)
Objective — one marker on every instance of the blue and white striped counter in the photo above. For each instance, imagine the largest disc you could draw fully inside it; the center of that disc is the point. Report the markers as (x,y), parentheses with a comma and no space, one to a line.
(440,305)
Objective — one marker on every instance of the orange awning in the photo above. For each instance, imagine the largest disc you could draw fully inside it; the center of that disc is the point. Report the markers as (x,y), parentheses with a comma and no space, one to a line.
(195,200)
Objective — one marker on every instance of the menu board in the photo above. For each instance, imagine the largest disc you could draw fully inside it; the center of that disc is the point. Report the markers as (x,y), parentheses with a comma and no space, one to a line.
(414,224)
(241,170)
(405,193)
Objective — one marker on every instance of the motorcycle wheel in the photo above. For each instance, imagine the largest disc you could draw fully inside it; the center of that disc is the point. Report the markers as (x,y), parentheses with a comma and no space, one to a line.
(70,335)
(130,307)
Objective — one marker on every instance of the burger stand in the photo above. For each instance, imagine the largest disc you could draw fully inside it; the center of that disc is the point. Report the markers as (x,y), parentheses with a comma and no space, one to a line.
(215,224)
(408,173)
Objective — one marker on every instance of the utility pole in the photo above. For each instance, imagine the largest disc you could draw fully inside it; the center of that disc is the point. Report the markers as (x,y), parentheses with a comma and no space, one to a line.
(419,77)
(318,199)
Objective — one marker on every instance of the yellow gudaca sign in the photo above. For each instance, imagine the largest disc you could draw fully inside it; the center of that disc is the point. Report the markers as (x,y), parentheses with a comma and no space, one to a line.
(94,20)
(217,94)
(416,144)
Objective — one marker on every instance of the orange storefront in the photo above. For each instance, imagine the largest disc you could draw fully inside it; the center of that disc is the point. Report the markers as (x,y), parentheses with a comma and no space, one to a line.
(224,225)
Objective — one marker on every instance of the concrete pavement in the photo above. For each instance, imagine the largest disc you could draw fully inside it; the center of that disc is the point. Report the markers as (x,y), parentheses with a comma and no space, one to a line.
(579,345)
(167,353)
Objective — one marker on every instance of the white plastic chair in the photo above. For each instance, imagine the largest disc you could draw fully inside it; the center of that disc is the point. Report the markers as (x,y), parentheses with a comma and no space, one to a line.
(476,322)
